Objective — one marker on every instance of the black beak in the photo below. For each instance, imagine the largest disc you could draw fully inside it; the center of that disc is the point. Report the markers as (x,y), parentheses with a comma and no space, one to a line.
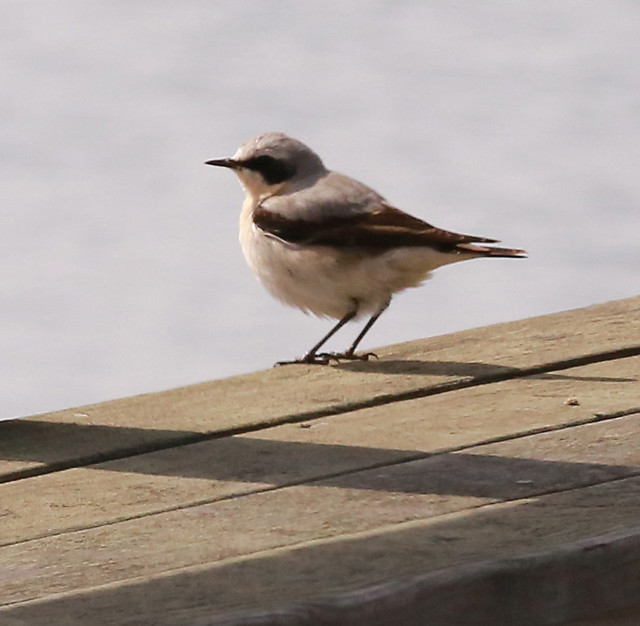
(234,165)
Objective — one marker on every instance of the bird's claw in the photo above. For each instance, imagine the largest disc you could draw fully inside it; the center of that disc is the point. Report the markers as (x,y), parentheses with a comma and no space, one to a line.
(351,356)
(309,359)
(330,356)
(324,358)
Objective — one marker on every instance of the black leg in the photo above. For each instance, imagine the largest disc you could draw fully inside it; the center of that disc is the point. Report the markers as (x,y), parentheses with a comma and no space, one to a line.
(350,355)
(323,359)
(350,352)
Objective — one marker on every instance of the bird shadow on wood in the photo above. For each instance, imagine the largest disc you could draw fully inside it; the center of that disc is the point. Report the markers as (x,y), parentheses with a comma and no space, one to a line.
(470,369)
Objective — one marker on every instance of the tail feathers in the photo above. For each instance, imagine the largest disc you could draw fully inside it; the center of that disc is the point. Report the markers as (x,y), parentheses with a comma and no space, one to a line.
(491,251)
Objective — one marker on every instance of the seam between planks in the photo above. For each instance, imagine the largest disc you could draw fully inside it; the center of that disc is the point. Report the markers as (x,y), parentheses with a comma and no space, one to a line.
(329,411)
(331,539)
(328,476)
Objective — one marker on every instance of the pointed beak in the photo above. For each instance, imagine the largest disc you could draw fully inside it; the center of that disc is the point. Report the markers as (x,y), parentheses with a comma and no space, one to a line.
(234,165)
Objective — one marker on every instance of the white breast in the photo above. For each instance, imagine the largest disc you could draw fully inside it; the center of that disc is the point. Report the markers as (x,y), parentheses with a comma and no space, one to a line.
(332,282)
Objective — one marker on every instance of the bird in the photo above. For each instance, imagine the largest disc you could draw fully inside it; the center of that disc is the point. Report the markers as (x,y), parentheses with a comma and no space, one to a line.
(330,245)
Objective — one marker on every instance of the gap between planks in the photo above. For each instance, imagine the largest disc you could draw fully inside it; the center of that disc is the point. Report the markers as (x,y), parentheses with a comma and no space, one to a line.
(338,409)
(596,418)
(384,529)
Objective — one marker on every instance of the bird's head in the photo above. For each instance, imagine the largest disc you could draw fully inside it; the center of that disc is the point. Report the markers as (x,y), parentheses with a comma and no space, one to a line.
(272,164)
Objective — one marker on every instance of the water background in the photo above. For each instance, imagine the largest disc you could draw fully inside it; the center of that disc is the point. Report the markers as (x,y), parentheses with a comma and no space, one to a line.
(120,271)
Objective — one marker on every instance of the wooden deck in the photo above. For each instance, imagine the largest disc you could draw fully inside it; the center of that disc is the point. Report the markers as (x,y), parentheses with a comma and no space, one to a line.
(486,477)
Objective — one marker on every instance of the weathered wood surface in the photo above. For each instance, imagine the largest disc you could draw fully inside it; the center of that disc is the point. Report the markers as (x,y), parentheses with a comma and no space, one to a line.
(503,453)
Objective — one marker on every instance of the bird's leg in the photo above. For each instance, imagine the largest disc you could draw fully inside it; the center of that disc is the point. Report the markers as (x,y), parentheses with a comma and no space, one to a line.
(350,353)
(312,357)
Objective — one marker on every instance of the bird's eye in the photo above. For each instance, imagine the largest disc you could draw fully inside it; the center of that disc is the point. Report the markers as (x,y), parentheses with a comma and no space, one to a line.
(273,170)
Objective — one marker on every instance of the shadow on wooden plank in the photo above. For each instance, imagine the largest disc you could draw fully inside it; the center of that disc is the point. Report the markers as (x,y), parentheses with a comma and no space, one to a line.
(440,573)
(256,460)
(460,369)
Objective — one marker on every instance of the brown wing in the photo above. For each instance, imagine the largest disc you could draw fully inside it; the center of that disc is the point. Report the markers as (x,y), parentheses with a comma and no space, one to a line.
(384,228)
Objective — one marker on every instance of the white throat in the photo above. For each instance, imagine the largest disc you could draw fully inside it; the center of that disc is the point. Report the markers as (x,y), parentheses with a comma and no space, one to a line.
(255,186)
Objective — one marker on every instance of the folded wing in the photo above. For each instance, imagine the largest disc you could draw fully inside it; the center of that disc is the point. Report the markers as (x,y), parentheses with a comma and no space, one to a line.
(382,229)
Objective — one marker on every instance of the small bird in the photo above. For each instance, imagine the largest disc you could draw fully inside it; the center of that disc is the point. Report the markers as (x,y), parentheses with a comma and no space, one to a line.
(328,244)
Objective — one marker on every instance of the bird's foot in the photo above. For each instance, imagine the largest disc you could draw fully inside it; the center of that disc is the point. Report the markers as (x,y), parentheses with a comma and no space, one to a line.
(324,358)
(310,359)
(348,356)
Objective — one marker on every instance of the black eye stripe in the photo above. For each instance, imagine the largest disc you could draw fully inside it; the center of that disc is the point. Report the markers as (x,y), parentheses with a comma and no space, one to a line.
(273,170)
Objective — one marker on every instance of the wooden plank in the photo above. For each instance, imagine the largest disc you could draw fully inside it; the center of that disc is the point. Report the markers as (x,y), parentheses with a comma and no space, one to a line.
(279,456)
(378,502)
(120,428)
(418,569)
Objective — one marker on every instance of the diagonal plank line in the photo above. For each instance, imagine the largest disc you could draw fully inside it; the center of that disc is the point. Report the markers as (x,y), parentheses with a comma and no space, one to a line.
(343,408)
(319,478)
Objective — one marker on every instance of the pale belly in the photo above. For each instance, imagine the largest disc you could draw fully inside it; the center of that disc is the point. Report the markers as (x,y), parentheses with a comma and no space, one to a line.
(329,282)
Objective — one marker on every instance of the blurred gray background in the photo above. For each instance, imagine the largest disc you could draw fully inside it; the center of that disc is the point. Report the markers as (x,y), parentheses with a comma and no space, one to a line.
(120,267)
